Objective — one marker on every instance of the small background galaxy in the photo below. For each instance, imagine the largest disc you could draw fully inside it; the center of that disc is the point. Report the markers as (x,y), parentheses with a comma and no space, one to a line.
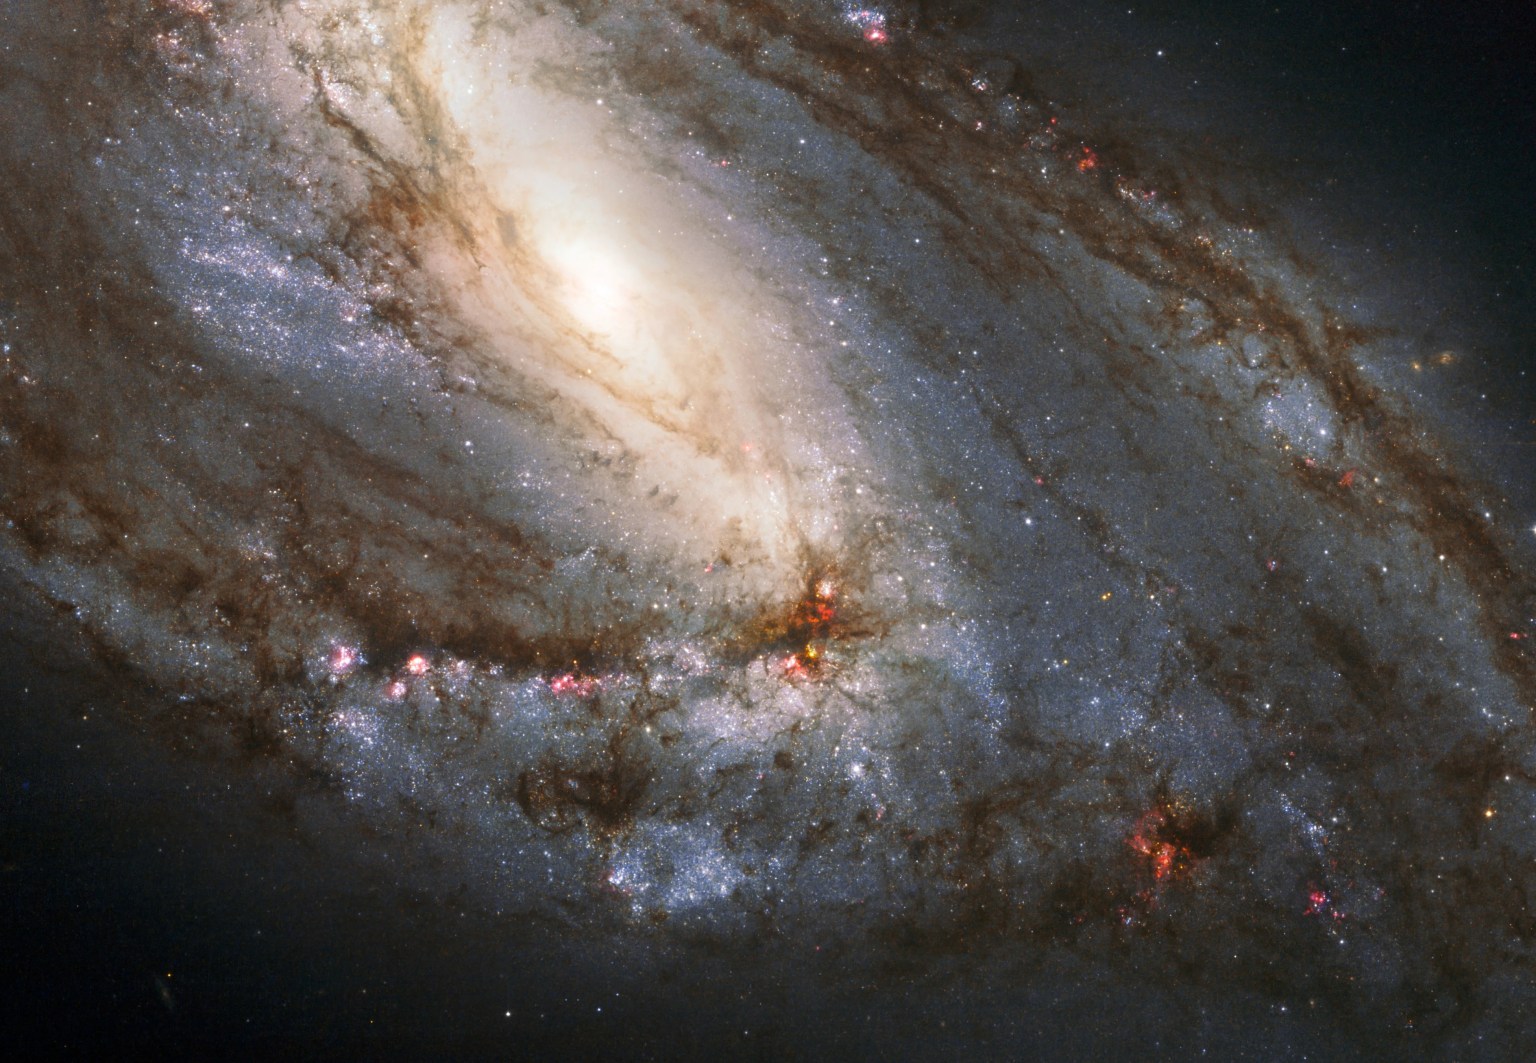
(778,528)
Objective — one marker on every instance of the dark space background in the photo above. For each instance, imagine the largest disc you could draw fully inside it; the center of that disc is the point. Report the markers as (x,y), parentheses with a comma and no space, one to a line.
(159,901)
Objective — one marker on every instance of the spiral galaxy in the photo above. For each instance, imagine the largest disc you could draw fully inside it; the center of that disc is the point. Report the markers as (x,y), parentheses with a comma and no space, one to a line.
(729,511)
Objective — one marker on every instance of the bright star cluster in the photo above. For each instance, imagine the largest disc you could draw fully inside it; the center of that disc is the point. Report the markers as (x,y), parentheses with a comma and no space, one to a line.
(730,475)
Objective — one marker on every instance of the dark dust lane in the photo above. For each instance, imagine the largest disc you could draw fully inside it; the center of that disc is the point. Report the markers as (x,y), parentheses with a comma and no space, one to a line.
(803,526)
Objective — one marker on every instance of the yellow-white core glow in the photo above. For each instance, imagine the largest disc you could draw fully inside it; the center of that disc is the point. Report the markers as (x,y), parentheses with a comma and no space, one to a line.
(654,329)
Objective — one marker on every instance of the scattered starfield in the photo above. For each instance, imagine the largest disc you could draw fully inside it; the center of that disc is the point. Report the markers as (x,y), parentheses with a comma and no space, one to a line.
(765,500)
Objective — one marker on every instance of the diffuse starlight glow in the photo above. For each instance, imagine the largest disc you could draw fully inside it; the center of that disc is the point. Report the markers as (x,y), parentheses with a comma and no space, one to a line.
(756,472)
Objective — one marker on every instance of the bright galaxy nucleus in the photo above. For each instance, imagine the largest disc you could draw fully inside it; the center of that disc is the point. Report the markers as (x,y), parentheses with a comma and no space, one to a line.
(757,502)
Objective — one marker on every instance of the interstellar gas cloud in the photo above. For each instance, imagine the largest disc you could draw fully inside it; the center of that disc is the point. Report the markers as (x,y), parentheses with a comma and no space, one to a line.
(759,509)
